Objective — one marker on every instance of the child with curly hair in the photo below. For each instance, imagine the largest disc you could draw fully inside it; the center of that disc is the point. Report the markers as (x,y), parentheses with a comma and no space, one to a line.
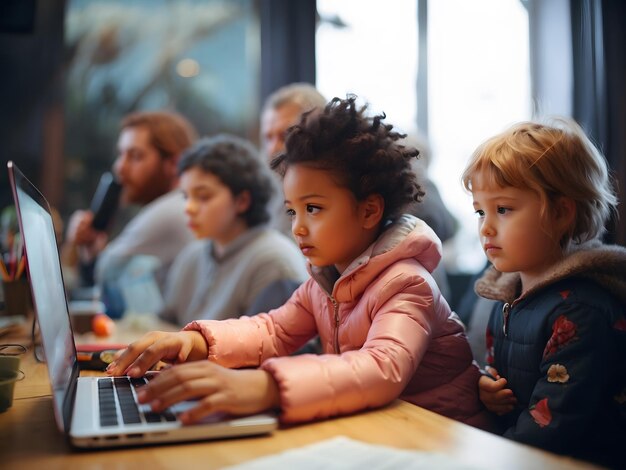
(556,338)
(227,190)
(385,329)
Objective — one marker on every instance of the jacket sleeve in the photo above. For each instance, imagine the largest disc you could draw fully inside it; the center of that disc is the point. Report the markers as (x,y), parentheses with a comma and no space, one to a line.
(313,387)
(248,341)
(574,380)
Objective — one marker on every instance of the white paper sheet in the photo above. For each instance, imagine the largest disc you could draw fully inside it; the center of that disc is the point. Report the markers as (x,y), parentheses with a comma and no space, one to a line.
(344,453)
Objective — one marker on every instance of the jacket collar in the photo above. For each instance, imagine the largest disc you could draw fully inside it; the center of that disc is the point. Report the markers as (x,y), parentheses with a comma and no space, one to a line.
(603,264)
(405,237)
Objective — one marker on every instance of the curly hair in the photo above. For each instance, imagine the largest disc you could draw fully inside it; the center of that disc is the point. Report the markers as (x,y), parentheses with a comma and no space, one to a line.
(237,164)
(361,152)
(552,158)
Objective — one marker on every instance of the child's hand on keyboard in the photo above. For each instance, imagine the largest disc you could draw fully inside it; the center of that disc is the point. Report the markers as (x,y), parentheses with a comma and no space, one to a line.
(156,346)
(216,388)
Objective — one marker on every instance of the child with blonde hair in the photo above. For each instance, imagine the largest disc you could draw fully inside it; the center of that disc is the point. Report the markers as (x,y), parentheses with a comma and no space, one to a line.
(385,329)
(557,337)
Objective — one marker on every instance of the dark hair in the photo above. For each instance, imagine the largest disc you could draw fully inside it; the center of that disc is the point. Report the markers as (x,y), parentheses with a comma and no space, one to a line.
(170,132)
(360,151)
(237,164)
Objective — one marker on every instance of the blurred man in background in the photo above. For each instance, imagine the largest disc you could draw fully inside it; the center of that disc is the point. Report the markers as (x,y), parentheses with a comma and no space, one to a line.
(148,147)
(281,110)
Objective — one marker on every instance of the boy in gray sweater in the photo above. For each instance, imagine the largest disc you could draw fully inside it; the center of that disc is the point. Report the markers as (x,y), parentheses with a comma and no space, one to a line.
(227,189)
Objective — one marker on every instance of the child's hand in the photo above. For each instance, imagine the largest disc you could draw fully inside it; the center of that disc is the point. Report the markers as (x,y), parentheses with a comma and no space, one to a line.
(495,397)
(155,346)
(217,388)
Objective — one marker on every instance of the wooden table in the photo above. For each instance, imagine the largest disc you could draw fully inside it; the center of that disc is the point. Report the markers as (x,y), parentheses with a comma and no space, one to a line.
(29,438)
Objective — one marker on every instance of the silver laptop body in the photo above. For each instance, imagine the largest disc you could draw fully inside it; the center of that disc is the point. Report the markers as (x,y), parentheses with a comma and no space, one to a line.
(89,409)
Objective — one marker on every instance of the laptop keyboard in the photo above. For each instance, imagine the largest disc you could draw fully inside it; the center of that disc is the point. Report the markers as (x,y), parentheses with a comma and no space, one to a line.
(126,410)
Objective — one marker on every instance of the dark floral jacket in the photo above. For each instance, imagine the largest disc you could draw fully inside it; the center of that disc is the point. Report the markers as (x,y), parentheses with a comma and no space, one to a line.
(562,348)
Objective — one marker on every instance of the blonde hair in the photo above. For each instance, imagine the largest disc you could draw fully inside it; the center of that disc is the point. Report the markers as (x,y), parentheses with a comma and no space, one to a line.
(553,159)
(303,95)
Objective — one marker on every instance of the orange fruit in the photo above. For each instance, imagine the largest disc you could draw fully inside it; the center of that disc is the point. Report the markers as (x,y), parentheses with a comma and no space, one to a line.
(102,325)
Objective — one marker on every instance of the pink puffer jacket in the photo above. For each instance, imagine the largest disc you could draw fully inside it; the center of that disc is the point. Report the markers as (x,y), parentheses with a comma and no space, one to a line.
(385,329)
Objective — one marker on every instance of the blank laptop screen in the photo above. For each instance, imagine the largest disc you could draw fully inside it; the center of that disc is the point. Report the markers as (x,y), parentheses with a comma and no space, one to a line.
(47,287)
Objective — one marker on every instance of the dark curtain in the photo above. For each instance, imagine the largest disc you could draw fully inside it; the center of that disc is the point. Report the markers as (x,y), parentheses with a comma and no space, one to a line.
(31,53)
(287,43)
(598,38)
(614,23)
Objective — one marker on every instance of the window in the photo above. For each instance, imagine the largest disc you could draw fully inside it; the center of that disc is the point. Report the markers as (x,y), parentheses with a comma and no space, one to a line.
(200,57)
(366,48)
(478,82)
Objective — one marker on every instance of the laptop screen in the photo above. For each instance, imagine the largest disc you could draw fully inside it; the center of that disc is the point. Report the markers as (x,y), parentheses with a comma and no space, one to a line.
(47,287)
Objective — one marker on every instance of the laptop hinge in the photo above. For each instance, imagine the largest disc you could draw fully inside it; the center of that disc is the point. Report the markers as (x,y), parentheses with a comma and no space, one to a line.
(70,395)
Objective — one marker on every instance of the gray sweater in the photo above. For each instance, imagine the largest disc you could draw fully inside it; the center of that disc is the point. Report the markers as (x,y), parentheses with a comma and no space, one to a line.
(201,285)
(158,230)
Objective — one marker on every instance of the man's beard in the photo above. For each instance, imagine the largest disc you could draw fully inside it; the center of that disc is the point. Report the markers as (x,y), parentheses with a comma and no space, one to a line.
(153,187)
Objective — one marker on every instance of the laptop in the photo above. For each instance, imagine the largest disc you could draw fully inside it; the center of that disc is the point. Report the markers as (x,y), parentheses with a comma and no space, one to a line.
(97,411)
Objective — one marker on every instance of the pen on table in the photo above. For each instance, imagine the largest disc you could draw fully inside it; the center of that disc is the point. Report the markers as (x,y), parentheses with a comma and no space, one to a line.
(4,272)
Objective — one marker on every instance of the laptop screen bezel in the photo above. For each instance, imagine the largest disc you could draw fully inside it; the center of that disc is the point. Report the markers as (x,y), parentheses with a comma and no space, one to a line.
(62,410)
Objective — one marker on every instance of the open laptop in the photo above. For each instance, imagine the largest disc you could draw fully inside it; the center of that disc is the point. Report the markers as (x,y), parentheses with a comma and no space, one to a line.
(89,409)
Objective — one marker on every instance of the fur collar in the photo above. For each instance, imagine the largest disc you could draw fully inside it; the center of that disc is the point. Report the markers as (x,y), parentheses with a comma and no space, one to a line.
(604,264)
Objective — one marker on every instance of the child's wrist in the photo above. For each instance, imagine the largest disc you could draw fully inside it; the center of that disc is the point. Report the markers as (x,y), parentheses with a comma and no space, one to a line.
(272,395)
(199,346)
